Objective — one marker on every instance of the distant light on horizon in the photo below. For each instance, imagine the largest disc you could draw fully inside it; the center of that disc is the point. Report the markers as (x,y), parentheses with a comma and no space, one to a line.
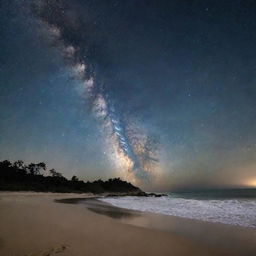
(251,183)
(165,107)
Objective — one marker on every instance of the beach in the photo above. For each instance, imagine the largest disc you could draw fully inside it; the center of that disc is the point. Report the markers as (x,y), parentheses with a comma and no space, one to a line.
(35,224)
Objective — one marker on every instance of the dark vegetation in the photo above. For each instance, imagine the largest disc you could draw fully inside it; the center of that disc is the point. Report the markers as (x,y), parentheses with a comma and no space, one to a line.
(33,177)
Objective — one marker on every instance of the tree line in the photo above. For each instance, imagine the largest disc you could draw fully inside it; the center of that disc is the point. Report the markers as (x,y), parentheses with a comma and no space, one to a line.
(18,176)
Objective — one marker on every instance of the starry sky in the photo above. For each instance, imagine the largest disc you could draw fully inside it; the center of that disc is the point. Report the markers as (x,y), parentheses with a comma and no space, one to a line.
(161,93)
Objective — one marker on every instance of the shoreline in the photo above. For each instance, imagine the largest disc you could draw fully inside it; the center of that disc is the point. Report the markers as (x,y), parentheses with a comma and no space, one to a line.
(33,224)
(239,238)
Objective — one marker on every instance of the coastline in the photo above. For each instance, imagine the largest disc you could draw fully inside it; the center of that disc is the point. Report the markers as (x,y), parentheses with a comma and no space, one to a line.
(34,224)
(236,238)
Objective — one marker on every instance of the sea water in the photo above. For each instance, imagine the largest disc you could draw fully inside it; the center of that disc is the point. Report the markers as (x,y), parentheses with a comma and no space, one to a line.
(235,207)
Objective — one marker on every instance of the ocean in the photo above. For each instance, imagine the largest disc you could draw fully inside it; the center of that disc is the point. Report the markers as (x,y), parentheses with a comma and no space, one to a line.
(233,206)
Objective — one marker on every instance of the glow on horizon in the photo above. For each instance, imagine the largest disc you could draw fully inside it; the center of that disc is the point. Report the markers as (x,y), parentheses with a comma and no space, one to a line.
(251,183)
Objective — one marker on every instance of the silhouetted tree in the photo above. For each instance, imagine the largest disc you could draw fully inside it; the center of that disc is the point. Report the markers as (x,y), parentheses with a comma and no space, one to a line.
(42,166)
(54,173)
(5,164)
(74,178)
(34,169)
(18,164)
(18,176)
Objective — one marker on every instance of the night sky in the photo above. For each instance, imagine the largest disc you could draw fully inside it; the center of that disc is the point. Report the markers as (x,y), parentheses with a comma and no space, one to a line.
(160,93)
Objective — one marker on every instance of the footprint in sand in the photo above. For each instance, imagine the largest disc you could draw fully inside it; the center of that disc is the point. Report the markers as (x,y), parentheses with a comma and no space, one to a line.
(50,252)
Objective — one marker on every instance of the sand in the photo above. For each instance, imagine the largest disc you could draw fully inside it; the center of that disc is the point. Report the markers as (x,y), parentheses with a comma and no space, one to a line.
(34,224)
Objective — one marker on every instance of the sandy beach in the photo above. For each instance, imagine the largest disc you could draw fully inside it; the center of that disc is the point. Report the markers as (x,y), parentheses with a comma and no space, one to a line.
(34,224)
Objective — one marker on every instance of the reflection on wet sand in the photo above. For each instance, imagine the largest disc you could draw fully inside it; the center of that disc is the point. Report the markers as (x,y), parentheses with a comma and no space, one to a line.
(100,207)
(237,239)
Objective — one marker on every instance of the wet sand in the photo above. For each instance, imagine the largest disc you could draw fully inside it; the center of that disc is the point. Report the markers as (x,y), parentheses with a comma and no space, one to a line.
(35,224)
(234,238)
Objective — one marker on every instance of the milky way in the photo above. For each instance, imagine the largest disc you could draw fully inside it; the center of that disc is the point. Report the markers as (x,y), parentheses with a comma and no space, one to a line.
(160,93)
(134,156)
